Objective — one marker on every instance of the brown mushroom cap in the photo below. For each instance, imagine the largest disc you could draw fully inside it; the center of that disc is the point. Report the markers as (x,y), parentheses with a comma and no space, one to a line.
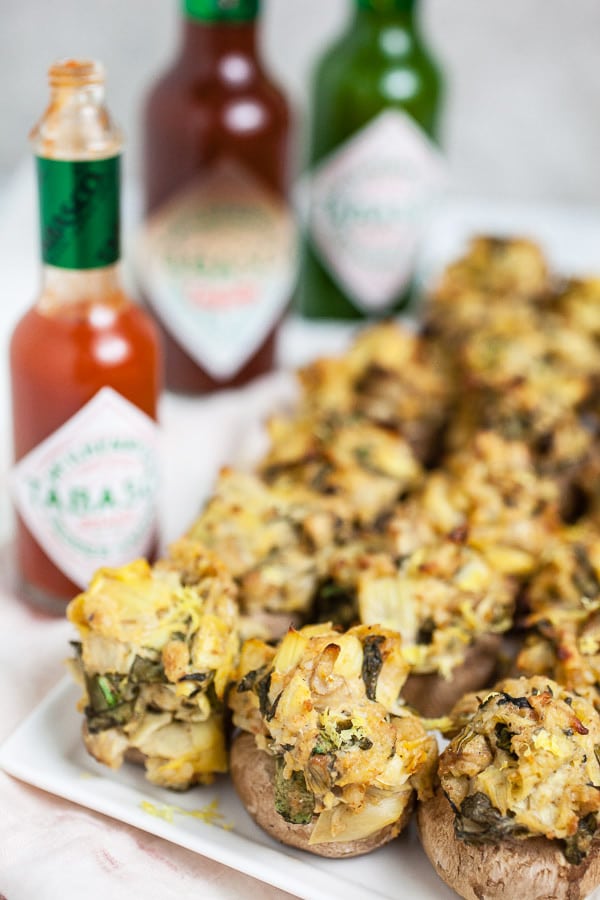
(435,696)
(530,869)
(253,775)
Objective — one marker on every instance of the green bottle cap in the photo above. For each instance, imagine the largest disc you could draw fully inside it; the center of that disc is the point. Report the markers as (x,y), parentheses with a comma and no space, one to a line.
(387,6)
(222,10)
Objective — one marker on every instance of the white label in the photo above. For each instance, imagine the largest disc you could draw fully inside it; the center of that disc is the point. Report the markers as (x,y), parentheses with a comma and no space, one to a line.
(88,493)
(368,204)
(217,263)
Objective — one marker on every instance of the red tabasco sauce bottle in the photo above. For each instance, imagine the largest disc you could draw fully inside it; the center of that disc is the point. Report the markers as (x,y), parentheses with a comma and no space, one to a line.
(216,256)
(84,362)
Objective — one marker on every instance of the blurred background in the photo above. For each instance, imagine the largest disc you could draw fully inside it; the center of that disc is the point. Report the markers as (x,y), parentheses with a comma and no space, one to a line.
(522,118)
(520,129)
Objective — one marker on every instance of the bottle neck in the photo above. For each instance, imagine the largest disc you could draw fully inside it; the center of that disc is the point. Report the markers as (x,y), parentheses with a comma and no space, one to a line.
(204,42)
(77,148)
(79,212)
(68,288)
(387,7)
(379,13)
(221,11)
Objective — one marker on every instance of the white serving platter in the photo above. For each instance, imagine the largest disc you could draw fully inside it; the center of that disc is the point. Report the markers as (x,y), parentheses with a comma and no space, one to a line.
(46,751)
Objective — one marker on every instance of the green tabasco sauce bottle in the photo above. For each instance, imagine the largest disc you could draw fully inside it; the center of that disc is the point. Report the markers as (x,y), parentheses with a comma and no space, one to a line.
(374,169)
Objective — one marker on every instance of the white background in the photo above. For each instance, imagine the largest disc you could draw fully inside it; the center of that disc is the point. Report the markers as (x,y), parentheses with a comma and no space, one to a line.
(523,112)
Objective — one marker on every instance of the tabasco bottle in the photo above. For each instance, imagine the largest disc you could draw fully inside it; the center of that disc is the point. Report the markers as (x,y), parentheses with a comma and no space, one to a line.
(373,167)
(84,362)
(216,256)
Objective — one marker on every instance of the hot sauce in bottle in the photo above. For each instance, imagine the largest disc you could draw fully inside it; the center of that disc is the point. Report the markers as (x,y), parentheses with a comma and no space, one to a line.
(375,172)
(216,257)
(85,363)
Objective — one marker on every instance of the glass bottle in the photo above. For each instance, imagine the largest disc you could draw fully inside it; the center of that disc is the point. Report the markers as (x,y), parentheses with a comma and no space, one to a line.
(216,256)
(373,169)
(84,363)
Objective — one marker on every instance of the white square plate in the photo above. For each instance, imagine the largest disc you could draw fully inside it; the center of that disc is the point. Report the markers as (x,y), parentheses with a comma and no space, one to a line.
(46,751)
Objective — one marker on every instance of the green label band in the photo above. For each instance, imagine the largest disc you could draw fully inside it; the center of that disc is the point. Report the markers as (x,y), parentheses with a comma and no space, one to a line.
(79,212)
(222,10)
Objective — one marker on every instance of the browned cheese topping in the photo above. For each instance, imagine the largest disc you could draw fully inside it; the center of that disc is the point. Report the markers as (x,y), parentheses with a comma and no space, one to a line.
(526,764)
(326,706)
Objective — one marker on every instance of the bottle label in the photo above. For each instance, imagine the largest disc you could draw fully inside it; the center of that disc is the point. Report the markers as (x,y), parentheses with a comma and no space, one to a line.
(79,212)
(89,492)
(217,264)
(221,10)
(368,204)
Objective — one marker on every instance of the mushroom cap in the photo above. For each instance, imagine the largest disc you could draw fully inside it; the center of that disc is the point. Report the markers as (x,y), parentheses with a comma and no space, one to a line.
(532,868)
(435,696)
(253,775)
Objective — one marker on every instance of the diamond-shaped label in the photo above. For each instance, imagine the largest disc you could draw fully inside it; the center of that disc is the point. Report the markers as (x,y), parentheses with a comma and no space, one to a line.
(89,492)
(217,263)
(368,206)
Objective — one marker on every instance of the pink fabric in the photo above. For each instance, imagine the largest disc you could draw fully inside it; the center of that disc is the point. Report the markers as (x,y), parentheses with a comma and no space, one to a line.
(51,849)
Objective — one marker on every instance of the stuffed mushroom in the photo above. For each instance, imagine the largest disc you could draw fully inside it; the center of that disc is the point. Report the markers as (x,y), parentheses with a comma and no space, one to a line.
(328,759)
(517,810)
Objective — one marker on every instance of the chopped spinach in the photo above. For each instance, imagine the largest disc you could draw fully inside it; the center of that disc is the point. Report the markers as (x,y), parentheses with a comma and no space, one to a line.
(148,671)
(504,738)
(479,822)
(104,691)
(519,702)
(577,846)
(584,577)
(199,677)
(372,663)
(323,744)
(267,709)
(113,718)
(249,680)
(112,700)
(425,632)
(293,800)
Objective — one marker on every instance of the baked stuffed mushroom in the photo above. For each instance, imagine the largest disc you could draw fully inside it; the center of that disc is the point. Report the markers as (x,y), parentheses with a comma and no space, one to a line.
(154,659)
(390,377)
(517,810)
(450,607)
(563,624)
(490,493)
(328,759)
(273,543)
(494,273)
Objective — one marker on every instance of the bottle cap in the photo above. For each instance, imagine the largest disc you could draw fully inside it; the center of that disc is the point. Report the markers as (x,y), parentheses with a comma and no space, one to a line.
(387,6)
(222,10)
